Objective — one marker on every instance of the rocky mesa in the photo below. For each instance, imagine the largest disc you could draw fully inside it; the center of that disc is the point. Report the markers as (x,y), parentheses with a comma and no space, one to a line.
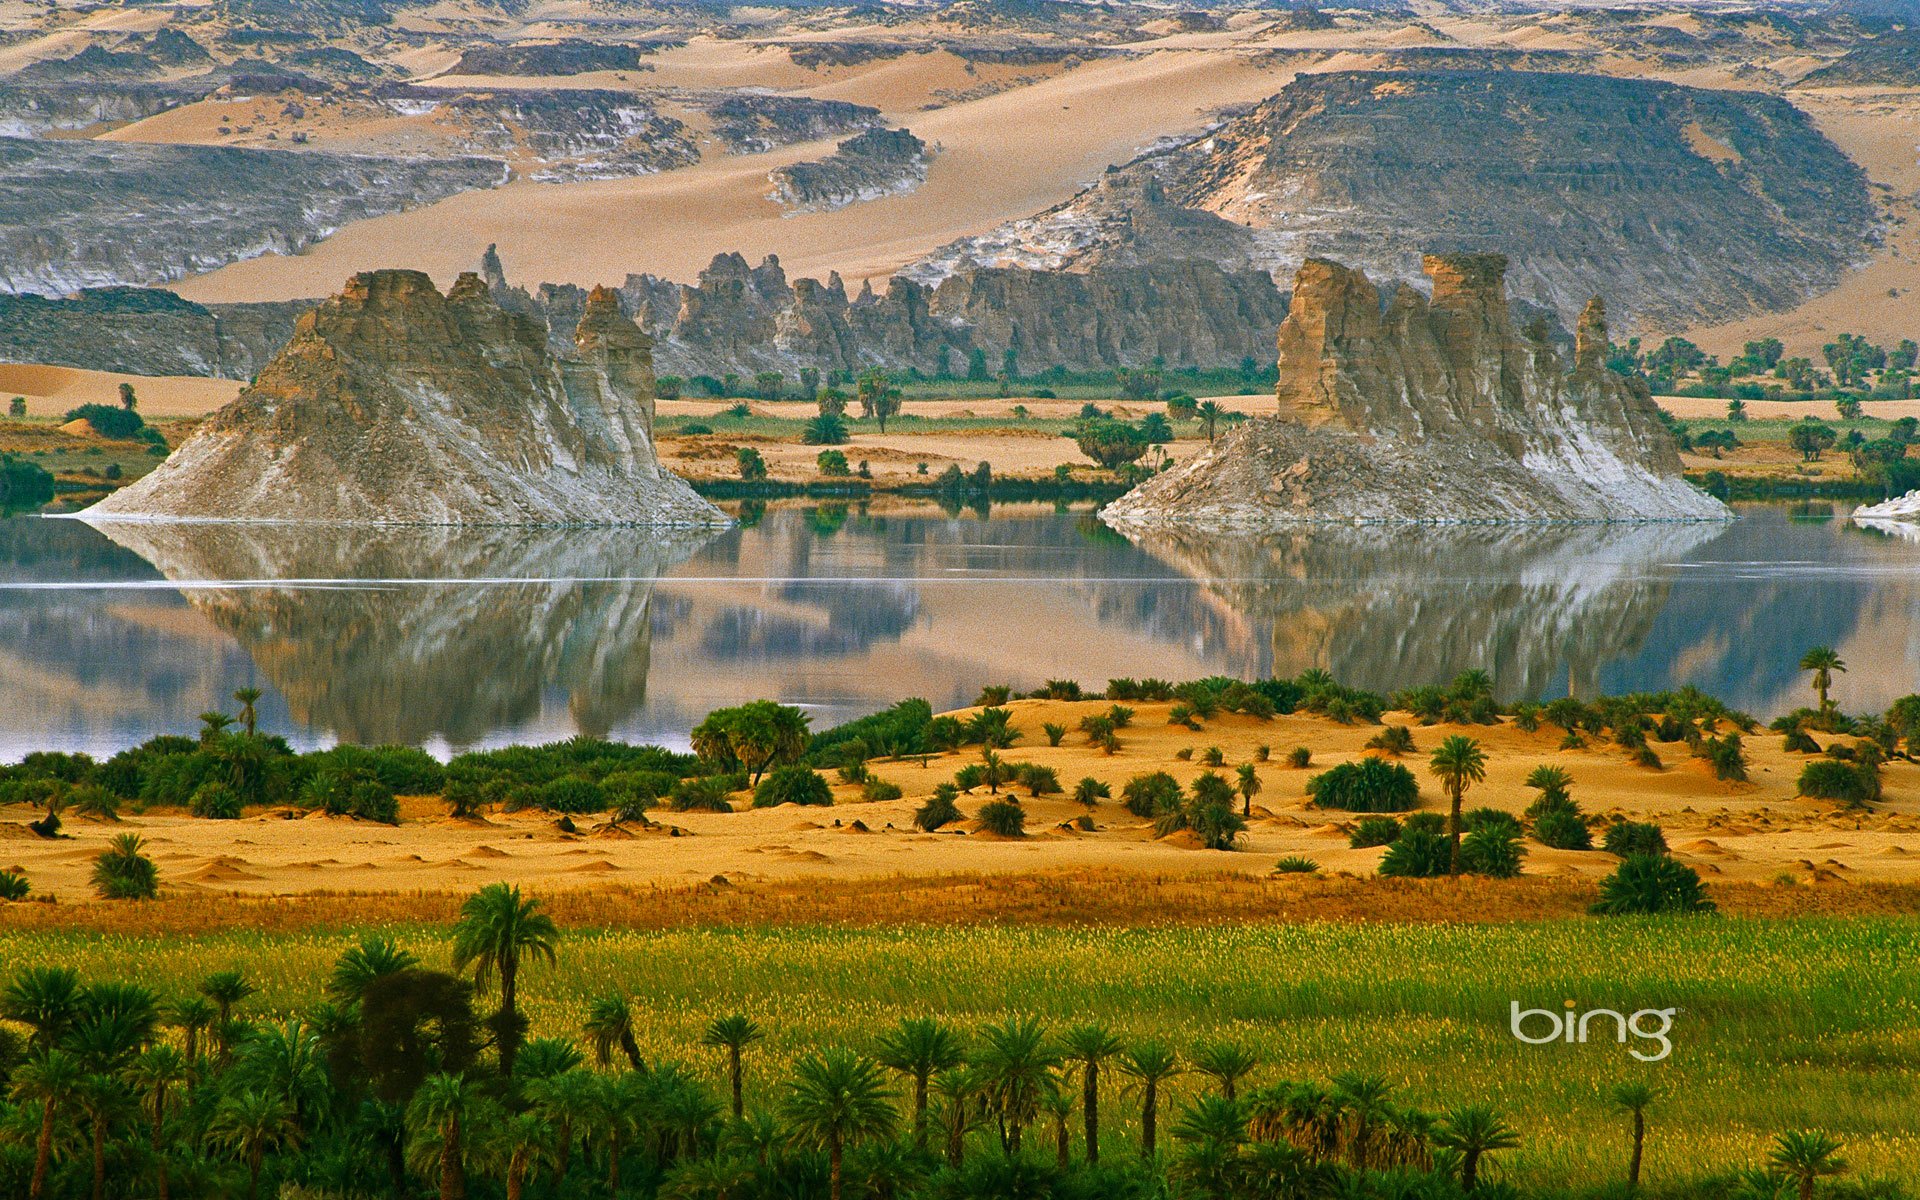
(396,405)
(1431,410)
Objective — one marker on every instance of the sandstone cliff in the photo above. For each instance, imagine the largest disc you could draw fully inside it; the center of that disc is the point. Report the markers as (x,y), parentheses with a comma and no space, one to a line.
(393,404)
(1436,410)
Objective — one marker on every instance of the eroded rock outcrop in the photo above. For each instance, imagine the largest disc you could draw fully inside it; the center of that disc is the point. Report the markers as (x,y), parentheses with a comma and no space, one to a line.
(867,166)
(1436,410)
(393,404)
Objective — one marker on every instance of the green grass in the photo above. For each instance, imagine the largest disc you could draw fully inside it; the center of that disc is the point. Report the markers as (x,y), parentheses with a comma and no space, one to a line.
(1776,429)
(1783,1024)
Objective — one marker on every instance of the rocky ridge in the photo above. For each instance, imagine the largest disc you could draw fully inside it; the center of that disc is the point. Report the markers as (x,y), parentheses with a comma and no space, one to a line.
(1438,410)
(395,405)
(867,166)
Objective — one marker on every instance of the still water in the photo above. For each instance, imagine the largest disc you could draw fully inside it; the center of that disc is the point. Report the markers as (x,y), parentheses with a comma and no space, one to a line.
(452,638)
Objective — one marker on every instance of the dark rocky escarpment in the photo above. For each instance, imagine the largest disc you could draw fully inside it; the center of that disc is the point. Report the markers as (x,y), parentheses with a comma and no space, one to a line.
(1889,60)
(752,122)
(396,405)
(1695,205)
(29,110)
(565,57)
(867,166)
(745,319)
(571,134)
(66,206)
(145,331)
(1430,411)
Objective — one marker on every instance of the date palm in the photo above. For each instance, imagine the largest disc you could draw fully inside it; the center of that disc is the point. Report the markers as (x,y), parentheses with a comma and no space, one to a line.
(1365,1101)
(522,1144)
(1150,1064)
(734,1034)
(1248,786)
(154,1074)
(958,1089)
(46,1000)
(1090,1048)
(1634,1099)
(1804,1156)
(1057,1102)
(609,1024)
(1013,1065)
(920,1048)
(1823,661)
(103,1100)
(226,989)
(212,725)
(250,1123)
(53,1079)
(1474,1132)
(360,967)
(1226,1063)
(565,1103)
(497,930)
(1460,763)
(192,1016)
(438,1113)
(835,1100)
(1210,414)
(249,717)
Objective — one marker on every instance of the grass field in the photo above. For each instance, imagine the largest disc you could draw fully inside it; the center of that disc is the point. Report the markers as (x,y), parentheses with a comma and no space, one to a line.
(1802,1022)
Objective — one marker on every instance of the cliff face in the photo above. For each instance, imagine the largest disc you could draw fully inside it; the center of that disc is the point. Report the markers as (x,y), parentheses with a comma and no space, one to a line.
(393,404)
(145,331)
(867,166)
(1436,410)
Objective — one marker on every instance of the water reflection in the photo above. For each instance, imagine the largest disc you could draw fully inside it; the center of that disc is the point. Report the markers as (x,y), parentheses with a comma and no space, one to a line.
(459,637)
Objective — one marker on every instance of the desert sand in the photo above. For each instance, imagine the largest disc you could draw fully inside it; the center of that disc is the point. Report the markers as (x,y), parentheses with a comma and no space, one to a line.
(1755,832)
(50,391)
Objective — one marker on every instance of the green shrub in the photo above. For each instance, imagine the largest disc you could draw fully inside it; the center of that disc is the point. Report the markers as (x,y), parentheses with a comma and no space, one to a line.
(14,885)
(705,793)
(1419,852)
(939,810)
(1183,714)
(792,785)
(832,463)
(92,800)
(1294,864)
(1627,839)
(572,794)
(23,484)
(631,793)
(1490,818)
(1038,780)
(404,770)
(1799,741)
(1213,756)
(1053,731)
(216,801)
(1299,758)
(1090,791)
(1150,795)
(1374,831)
(1562,831)
(1368,785)
(879,791)
(824,430)
(1394,739)
(1652,883)
(123,872)
(1852,784)
(1728,757)
(1493,849)
(1003,817)
(119,424)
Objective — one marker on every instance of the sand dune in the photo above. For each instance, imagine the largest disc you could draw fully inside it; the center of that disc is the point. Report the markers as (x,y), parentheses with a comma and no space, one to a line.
(51,391)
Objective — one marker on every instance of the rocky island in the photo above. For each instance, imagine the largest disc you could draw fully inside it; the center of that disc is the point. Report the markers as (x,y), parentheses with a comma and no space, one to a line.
(1431,410)
(396,405)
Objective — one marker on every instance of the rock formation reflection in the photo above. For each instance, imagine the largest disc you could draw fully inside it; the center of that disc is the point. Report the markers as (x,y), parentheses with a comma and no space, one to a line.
(1385,606)
(406,634)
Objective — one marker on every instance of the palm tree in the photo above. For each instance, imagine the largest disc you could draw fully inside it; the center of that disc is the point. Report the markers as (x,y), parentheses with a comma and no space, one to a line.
(360,967)
(54,1078)
(1474,1132)
(1804,1155)
(225,989)
(1152,1064)
(249,718)
(439,1110)
(958,1088)
(212,725)
(565,1103)
(834,1100)
(609,1024)
(1365,1100)
(191,1016)
(1089,1047)
(620,1114)
(1210,415)
(1823,661)
(920,1048)
(103,1100)
(1057,1102)
(523,1141)
(497,928)
(1013,1066)
(251,1123)
(1460,763)
(1249,787)
(46,999)
(1227,1063)
(154,1073)
(1634,1098)
(285,1061)
(735,1033)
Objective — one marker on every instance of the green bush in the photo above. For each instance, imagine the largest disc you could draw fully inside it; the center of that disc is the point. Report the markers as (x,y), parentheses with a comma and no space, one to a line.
(1368,785)
(1650,884)
(572,794)
(1852,784)
(123,872)
(1003,817)
(824,430)
(1419,852)
(1561,830)
(92,800)
(705,793)
(23,484)
(879,791)
(1150,795)
(1090,791)
(1630,838)
(1294,864)
(119,424)
(792,785)
(14,885)
(1374,831)
(1038,780)
(216,801)
(939,810)
(1493,849)
(404,770)
(1299,758)
(351,793)
(1394,739)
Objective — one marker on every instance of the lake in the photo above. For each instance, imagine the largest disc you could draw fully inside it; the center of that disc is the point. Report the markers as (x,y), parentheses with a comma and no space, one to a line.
(452,638)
